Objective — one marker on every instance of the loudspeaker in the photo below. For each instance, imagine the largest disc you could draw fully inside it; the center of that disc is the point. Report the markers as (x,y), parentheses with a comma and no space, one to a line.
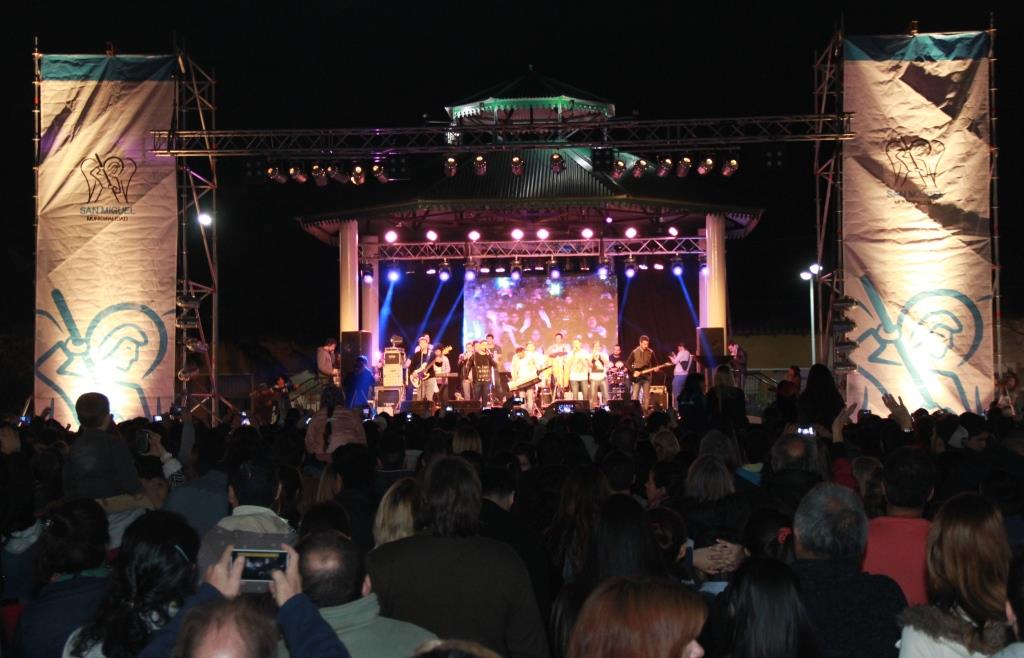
(577,405)
(465,406)
(659,398)
(387,399)
(623,406)
(352,345)
(393,372)
(710,341)
(422,408)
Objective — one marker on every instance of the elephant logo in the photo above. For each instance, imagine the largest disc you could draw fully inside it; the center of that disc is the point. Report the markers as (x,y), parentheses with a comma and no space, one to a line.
(111,174)
(108,355)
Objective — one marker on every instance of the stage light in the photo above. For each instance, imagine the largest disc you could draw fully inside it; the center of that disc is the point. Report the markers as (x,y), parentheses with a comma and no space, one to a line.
(587,233)
(445,272)
(805,275)
(630,270)
(608,220)
(358,175)
(704,269)
(499,269)
(518,166)
(603,268)
(275,174)
(480,165)
(543,234)
(707,164)
(473,236)
(673,231)
(517,234)
(431,270)
(298,174)
(677,267)
(485,270)
(366,273)
(378,171)
(319,175)
(394,274)
(186,322)
(554,271)
(517,270)
(639,168)
(642,266)
(618,169)
(815,268)
(557,163)
(432,235)
(391,236)
(659,266)
(189,302)
(451,166)
(470,274)
(539,267)
(684,166)
(205,219)
(730,167)
(630,232)
(664,166)
(334,171)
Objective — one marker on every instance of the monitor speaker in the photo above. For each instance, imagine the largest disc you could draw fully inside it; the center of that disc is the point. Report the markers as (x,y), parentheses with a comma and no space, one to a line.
(422,408)
(659,398)
(465,406)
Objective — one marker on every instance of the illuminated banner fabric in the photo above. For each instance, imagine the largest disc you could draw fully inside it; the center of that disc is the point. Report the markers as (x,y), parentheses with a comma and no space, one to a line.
(916,236)
(106,242)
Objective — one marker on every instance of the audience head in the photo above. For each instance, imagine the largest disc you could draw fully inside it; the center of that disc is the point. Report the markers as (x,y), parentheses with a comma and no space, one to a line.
(466,439)
(355,465)
(93,410)
(332,569)
(254,482)
(625,618)
(725,447)
(448,504)
(669,532)
(795,451)
(226,628)
(968,560)
(908,478)
(723,377)
(453,649)
(666,445)
(74,539)
(663,481)
(499,486)
(830,523)
(624,544)
(709,480)
(325,516)
(394,518)
(769,534)
(620,469)
(768,620)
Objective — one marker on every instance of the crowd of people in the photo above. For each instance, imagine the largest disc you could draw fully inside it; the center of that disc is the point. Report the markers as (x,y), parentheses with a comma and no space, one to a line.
(687,532)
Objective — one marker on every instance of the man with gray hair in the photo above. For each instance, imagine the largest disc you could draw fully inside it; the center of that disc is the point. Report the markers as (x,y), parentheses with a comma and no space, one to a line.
(853,613)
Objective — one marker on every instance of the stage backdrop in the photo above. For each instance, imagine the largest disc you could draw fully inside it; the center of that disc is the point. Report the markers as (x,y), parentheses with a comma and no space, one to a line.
(106,242)
(916,219)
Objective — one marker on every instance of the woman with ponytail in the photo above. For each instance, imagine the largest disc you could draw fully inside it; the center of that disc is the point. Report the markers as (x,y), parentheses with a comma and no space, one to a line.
(154,573)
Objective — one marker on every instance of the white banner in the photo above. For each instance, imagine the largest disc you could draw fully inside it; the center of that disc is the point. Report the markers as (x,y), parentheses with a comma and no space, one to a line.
(916,236)
(106,242)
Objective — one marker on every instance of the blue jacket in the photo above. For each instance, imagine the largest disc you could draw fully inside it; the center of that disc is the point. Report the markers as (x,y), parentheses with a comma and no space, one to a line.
(59,609)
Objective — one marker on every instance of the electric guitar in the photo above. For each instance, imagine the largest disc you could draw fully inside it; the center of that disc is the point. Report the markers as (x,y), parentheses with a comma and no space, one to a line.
(641,373)
(422,373)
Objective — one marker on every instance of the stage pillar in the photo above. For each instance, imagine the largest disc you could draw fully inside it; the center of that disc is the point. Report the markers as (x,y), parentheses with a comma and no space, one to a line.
(714,296)
(348,276)
(369,296)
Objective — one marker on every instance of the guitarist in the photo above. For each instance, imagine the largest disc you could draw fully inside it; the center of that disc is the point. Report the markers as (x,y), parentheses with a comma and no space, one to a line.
(641,358)
(419,361)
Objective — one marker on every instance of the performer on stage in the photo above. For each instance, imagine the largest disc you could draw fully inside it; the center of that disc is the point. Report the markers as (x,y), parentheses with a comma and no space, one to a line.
(578,365)
(439,370)
(358,385)
(481,365)
(281,388)
(418,363)
(500,382)
(683,365)
(326,365)
(524,368)
(557,352)
(598,370)
(617,375)
(464,370)
(641,358)
(738,363)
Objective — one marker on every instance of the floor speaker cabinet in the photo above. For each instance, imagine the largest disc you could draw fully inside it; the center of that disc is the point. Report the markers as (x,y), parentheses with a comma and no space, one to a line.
(659,398)
(354,344)
(621,406)
(561,406)
(422,408)
(393,371)
(465,407)
(388,399)
(710,341)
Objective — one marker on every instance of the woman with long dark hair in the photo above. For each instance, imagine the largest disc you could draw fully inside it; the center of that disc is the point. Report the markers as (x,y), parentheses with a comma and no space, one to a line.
(154,573)
(820,402)
(568,539)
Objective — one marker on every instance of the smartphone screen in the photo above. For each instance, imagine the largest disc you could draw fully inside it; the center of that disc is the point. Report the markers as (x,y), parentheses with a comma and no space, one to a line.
(566,408)
(260,562)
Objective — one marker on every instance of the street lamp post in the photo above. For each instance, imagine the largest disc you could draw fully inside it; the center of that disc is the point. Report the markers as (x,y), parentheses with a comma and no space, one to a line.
(809,276)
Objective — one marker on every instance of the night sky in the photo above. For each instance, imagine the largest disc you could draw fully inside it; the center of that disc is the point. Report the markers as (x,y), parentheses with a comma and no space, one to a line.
(320,65)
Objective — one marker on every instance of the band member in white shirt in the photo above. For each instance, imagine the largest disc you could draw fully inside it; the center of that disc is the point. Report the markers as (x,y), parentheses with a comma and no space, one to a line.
(682,366)
(439,371)
(524,368)
(599,363)
(557,352)
(578,365)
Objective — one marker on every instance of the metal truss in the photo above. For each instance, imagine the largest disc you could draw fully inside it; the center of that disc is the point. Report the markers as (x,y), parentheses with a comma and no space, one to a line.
(669,135)
(505,249)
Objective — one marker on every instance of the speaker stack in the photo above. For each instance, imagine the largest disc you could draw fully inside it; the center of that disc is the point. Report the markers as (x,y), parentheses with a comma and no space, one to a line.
(392,374)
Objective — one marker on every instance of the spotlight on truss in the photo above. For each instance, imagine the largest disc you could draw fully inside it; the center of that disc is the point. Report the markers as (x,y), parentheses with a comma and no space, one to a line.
(664,167)
(557,163)
(298,174)
(480,165)
(518,165)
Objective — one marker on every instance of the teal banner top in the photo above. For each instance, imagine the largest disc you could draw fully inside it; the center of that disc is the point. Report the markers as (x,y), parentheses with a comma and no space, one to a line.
(917,48)
(137,68)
